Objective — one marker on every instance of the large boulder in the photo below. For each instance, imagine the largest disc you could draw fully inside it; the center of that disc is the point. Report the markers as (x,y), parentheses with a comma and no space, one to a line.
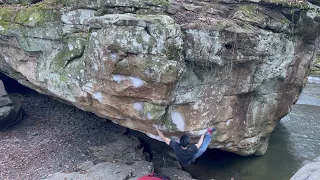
(183,65)
(310,171)
(10,112)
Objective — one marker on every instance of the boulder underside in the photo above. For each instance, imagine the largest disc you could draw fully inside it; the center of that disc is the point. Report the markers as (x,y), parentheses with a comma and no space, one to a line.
(184,66)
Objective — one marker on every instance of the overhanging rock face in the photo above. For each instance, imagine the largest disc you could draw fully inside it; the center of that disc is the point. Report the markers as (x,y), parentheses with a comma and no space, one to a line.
(185,66)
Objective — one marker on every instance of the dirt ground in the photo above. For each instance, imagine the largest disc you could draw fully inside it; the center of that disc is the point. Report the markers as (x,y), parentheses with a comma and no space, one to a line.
(55,137)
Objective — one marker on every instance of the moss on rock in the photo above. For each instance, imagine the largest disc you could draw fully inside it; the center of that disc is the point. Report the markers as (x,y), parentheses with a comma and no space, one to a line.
(7,28)
(169,124)
(36,15)
(173,52)
(152,111)
(13,18)
(291,4)
(7,14)
(250,11)
(73,47)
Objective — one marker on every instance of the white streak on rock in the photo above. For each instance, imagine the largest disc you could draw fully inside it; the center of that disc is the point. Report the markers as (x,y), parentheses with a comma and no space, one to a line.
(118,78)
(146,37)
(136,82)
(80,16)
(178,120)
(98,96)
(138,107)
(228,122)
(149,116)
(70,46)
(95,67)
(94,34)
(113,57)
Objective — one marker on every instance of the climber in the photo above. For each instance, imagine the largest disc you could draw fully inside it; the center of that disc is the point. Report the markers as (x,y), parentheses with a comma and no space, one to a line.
(185,152)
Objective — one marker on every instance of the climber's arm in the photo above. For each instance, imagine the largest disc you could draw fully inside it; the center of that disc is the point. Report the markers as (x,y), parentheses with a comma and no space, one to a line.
(200,141)
(166,140)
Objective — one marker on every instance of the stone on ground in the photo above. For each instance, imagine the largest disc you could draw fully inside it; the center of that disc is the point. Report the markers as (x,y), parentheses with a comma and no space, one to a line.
(126,149)
(108,170)
(122,159)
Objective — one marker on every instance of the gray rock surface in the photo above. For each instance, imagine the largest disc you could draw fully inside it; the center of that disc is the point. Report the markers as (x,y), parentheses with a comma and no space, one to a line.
(121,159)
(9,112)
(3,92)
(126,149)
(19,1)
(185,65)
(310,171)
(108,170)
(315,69)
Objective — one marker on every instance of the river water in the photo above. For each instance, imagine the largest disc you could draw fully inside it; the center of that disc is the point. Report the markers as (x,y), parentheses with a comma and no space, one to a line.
(295,142)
